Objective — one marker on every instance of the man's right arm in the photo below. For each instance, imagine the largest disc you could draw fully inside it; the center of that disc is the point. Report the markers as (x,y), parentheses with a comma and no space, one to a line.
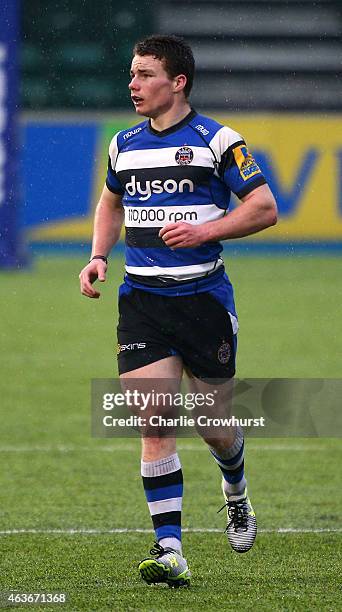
(109,216)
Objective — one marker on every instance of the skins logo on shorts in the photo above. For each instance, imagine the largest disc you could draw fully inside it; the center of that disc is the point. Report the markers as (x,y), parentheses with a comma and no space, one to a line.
(245,162)
(224,353)
(132,346)
(184,156)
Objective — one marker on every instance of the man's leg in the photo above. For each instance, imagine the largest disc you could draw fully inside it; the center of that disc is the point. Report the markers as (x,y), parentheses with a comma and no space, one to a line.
(226,445)
(163,481)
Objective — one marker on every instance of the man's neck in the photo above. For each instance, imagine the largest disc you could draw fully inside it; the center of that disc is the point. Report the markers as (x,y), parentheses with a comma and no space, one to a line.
(170,118)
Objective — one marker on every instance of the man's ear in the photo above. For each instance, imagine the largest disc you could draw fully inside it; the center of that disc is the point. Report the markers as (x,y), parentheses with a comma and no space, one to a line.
(180,81)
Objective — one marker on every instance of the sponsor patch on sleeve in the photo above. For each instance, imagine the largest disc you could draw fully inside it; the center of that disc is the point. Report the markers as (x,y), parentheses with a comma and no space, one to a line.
(245,162)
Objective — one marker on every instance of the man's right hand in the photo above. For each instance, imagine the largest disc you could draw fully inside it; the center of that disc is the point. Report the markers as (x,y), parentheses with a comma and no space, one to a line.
(94,270)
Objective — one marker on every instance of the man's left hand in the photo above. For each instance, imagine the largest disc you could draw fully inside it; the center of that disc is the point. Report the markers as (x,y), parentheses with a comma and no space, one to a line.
(182,235)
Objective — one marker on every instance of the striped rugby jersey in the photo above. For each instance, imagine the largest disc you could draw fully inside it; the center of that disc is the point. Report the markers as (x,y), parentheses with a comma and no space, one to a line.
(184,173)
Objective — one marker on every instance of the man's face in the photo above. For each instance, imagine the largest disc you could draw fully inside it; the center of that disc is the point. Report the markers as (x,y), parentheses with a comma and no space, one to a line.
(152,90)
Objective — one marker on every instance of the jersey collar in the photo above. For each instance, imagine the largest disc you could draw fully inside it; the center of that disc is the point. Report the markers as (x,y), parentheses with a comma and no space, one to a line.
(172,128)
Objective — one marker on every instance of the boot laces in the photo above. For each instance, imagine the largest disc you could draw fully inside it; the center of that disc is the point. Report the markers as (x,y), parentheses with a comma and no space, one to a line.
(157,550)
(237,513)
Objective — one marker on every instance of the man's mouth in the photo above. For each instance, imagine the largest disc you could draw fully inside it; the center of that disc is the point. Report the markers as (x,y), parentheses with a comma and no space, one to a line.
(136,99)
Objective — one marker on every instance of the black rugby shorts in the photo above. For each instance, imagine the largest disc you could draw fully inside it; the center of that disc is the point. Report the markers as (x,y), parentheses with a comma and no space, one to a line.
(195,327)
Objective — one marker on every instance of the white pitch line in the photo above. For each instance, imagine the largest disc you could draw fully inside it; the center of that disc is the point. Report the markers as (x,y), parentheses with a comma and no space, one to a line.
(130,448)
(127,530)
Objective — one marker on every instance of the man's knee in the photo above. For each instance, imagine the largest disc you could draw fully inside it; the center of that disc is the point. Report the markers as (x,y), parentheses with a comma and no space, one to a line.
(219,441)
(156,448)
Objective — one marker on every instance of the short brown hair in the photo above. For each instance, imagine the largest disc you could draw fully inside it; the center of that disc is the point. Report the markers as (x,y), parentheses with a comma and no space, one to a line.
(174,52)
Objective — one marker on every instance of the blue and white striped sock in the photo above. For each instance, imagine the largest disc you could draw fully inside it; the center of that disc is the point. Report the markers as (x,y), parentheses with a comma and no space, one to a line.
(231,464)
(163,485)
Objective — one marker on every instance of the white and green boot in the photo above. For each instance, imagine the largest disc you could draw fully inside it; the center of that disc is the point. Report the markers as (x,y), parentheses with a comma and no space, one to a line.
(168,566)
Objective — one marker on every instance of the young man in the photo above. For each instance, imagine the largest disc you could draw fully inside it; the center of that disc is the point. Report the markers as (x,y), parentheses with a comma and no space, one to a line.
(170,179)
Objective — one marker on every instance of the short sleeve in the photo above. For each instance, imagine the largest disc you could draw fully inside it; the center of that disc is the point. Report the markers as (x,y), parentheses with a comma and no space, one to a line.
(112,180)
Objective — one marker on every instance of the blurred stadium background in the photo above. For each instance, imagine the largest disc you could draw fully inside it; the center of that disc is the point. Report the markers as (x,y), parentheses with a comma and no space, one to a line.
(272,70)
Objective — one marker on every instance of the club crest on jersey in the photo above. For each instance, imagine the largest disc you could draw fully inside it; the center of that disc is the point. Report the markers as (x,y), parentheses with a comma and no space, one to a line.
(224,353)
(184,156)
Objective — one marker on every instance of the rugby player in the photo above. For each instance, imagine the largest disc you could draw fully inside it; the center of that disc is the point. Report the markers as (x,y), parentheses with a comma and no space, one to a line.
(169,180)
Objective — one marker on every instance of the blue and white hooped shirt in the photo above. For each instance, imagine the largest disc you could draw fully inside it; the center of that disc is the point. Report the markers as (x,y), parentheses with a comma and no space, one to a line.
(184,173)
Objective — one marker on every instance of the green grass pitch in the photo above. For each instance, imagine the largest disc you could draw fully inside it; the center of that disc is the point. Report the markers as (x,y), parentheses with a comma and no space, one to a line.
(55,478)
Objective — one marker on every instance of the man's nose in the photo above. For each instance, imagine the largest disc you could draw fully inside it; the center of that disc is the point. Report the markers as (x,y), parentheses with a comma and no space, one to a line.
(134,84)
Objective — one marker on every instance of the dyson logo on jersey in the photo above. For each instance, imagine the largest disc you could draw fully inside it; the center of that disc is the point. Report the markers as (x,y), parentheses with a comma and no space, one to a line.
(147,188)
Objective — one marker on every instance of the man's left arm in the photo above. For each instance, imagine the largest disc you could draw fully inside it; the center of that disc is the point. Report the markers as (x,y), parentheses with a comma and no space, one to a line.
(257,212)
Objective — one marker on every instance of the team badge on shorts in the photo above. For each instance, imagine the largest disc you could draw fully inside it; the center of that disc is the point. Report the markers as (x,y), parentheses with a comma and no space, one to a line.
(224,353)
(184,156)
